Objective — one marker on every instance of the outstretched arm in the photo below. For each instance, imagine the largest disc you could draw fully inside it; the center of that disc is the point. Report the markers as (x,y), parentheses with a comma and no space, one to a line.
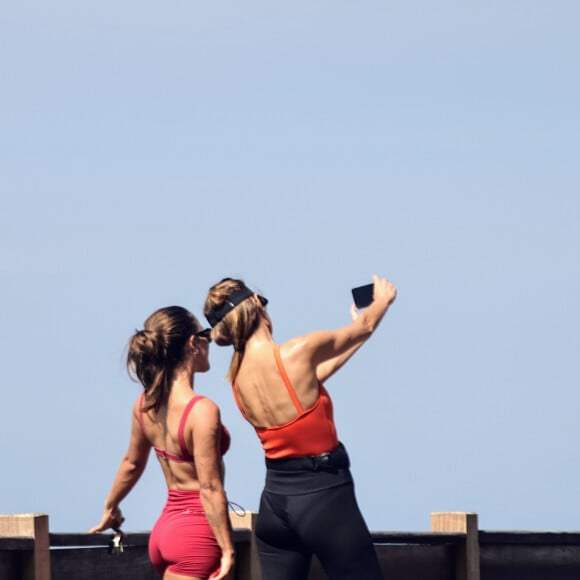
(328,367)
(131,468)
(335,348)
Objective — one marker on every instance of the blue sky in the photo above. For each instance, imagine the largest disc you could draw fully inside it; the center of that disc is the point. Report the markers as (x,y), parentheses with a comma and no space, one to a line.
(147,149)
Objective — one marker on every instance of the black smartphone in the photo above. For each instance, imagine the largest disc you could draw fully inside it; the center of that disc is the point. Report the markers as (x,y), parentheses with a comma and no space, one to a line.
(363,295)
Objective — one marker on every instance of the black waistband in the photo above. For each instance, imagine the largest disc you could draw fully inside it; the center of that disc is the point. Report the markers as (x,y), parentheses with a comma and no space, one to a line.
(331,461)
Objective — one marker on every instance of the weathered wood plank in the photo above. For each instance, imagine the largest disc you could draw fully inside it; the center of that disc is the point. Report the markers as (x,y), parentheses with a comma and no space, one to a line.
(467,558)
(36,563)
(530,562)
(529,538)
(95,540)
(8,544)
(133,538)
(13,564)
(97,563)
(431,538)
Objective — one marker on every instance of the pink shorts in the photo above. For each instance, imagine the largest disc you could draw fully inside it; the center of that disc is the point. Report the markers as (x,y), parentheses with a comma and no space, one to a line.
(182,540)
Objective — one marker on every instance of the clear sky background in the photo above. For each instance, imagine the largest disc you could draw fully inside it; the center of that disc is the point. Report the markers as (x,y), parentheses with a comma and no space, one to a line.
(148,149)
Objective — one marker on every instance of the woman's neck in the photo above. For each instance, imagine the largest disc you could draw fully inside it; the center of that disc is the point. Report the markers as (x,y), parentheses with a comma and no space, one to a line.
(261,335)
(183,382)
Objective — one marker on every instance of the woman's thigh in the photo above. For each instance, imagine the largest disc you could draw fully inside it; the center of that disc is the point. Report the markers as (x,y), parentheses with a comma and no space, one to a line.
(282,554)
(330,525)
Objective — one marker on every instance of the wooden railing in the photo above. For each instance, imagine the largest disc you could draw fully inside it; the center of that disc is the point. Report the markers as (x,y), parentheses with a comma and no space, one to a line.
(454,549)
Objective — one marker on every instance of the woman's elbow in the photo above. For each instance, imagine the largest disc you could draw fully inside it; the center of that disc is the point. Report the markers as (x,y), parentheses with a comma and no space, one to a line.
(135,466)
(211,485)
(212,493)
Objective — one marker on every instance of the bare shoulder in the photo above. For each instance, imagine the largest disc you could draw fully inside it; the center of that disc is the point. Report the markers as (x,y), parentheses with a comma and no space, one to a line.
(301,354)
(294,345)
(205,412)
(137,406)
(307,344)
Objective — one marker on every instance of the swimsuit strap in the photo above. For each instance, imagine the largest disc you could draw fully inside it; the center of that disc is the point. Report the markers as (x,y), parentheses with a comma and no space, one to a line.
(166,454)
(181,430)
(286,380)
(170,456)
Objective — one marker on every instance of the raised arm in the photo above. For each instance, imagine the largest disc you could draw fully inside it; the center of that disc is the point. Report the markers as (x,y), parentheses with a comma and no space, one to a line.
(132,466)
(327,368)
(331,349)
(208,464)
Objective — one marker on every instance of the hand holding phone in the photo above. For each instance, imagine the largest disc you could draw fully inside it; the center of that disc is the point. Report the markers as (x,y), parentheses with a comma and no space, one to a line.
(380,288)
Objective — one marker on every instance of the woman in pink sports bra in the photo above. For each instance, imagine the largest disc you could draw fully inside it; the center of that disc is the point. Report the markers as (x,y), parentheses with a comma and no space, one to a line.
(192,538)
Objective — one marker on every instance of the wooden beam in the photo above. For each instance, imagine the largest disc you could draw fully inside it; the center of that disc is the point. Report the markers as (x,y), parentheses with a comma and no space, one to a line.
(468,566)
(35,526)
(247,562)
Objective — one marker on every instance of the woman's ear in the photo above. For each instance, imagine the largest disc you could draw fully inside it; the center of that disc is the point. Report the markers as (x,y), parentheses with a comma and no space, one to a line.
(191,342)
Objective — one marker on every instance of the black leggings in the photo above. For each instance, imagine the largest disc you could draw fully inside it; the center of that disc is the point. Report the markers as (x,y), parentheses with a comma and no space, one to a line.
(308,520)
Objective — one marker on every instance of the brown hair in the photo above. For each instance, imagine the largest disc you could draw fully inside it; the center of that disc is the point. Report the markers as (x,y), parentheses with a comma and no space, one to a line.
(237,325)
(155,352)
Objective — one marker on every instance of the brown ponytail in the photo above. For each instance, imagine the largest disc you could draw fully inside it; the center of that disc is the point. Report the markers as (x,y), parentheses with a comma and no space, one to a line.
(237,326)
(155,352)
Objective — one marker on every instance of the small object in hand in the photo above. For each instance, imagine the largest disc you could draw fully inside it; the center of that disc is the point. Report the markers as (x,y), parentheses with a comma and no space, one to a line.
(363,295)
(116,545)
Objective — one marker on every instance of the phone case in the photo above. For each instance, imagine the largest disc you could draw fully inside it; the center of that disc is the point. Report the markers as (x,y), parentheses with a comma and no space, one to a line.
(363,295)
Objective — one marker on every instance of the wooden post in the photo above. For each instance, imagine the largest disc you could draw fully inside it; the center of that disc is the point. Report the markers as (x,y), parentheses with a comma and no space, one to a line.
(247,562)
(467,567)
(37,567)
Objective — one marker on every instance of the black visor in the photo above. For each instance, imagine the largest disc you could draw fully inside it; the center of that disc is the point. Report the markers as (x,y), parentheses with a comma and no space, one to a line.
(230,303)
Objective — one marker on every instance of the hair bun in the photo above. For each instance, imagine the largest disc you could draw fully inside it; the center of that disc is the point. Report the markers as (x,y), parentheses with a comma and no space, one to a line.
(147,345)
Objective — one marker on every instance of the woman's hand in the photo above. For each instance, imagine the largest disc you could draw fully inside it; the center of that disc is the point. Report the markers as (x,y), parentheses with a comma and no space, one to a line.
(112,518)
(226,566)
(383,289)
(353,312)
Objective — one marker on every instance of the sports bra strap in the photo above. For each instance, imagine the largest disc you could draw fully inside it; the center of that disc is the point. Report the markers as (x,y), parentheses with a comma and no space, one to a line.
(181,430)
(286,380)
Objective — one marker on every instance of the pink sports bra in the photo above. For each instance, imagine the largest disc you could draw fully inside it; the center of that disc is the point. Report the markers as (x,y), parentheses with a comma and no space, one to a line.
(185,454)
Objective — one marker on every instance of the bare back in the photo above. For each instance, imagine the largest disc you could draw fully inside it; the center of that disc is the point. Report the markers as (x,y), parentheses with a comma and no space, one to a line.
(162,431)
(260,387)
